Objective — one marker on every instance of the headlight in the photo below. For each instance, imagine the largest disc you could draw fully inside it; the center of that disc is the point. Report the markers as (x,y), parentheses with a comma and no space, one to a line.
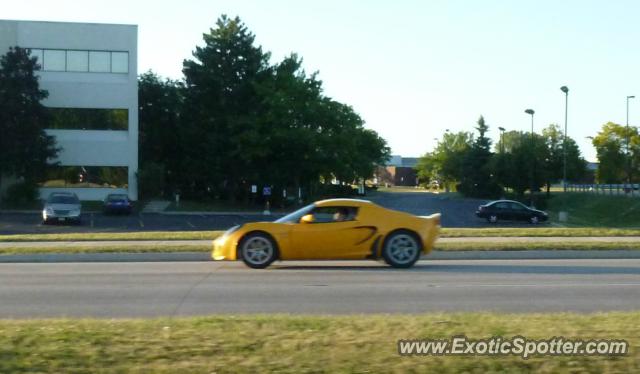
(231,230)
(75,212)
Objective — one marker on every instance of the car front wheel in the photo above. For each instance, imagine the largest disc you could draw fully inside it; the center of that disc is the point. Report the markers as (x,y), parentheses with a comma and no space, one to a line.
(492,218)
(401,249)
(258,250)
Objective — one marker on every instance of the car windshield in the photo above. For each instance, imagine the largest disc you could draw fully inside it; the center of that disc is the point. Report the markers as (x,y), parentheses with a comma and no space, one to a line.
(63,199)
(295,216)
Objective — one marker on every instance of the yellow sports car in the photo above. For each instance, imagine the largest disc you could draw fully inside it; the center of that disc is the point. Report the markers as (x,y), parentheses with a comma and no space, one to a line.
(332,229)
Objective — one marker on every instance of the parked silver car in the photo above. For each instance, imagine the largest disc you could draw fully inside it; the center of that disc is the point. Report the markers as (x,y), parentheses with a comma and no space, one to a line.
(62,207)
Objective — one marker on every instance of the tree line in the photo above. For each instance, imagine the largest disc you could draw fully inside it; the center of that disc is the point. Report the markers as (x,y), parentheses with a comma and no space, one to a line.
(236,120)
(519,161)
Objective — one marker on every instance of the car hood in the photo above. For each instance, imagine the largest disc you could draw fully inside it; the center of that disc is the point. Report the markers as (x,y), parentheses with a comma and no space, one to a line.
(62,206)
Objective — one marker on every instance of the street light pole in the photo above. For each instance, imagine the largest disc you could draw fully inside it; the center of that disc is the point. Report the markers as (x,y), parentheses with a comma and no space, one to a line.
(533,156)
(501,139)
(565,89)
(628,154)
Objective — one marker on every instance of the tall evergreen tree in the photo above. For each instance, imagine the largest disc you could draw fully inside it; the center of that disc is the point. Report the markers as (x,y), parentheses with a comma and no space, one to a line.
(476,177)
(25,148)
(222,106)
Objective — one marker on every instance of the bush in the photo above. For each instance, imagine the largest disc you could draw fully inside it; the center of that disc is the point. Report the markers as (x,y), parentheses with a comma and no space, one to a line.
(21,193)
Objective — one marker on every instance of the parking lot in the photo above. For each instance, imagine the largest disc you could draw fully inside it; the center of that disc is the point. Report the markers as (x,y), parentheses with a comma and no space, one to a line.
(456,212)
(25,223)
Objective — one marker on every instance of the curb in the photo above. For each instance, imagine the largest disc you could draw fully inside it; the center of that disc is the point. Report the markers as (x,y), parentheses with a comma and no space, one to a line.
(565,254)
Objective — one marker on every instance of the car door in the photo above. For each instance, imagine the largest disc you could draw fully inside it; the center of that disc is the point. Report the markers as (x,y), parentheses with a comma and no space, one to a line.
(520,212)
(330,236)
(502,210)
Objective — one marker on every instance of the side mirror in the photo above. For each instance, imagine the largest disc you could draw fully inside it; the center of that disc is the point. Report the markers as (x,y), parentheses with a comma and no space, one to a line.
(307,218)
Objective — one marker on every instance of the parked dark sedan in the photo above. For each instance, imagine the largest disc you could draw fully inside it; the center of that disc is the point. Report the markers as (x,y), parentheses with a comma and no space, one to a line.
(510,210)
(117,203)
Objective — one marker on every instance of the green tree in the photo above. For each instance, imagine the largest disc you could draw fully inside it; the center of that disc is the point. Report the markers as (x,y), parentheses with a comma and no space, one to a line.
(555,157)
(615,166)
(26,147)
(248,122)
(160,135)
(222,106)
(477,179)
(444,164)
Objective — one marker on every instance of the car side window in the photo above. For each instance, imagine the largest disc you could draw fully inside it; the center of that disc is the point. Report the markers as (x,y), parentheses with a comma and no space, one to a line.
(334,214)
(516,206)
(501,206)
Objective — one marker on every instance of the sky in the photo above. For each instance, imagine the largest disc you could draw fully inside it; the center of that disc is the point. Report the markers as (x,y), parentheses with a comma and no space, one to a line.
(413,69)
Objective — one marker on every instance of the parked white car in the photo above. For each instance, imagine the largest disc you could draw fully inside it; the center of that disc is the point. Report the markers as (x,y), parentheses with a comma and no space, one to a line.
(62,207)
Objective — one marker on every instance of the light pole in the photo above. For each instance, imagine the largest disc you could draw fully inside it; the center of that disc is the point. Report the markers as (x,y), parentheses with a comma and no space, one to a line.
(628,154)
(533,156)
(565,89)
(501,139)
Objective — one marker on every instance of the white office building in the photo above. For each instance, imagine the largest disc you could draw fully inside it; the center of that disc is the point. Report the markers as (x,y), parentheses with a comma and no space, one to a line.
(90,72)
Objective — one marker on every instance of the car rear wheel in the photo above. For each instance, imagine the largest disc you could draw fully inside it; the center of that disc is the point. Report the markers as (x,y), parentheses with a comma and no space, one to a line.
(401,249)
(258,250)
(492,218)
(534,219)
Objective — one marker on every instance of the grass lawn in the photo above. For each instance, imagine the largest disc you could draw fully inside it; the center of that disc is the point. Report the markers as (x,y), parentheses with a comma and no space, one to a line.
(206,247)
(591,210)
(116,248)
(521,246)
(541,231)
(93,236)
(301,344)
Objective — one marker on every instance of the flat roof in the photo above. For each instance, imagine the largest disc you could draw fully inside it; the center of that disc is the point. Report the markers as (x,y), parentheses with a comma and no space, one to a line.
(69,22)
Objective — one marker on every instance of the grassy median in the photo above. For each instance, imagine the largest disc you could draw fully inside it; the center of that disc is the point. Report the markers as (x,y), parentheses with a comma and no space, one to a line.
(108,236)
(540,231)
(300,344)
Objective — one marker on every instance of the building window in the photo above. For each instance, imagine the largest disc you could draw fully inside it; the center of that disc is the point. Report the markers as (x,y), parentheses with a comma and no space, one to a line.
(54,60)
(119,62)
(89,119)
(78,61)
(86,177)
(37,53)
(99,62)
(81,61)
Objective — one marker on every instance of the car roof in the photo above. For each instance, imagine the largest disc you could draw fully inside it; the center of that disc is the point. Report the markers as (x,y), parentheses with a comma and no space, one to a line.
(503,201)
(342,202)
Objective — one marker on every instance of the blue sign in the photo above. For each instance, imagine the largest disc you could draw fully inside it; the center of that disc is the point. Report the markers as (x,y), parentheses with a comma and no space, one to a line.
(266,191)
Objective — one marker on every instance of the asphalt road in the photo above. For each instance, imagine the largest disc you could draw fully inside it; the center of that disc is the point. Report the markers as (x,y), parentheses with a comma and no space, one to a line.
(200,288)
(456,212)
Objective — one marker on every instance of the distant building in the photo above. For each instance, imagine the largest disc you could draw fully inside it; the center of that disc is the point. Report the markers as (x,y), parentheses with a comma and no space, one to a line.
(399,171)
(90,72)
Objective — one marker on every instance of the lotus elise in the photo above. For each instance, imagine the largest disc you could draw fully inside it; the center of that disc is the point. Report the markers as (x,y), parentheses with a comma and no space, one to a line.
(332,229)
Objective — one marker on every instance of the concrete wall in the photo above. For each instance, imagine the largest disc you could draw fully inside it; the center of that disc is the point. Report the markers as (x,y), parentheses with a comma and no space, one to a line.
(87,90)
